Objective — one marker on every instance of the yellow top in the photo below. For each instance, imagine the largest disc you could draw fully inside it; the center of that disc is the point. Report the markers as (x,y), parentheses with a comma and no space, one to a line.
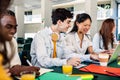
(3,75)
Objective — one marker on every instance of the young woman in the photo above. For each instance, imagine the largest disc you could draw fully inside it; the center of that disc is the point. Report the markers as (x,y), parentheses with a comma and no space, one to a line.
(77,41)
(103,40)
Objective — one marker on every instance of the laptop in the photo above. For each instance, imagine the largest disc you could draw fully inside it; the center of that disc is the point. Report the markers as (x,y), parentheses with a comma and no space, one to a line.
(113,57)
(115,54)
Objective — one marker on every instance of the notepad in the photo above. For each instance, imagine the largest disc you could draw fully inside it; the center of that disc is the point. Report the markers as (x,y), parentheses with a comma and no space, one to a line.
(43,70)
(102,70)
(57,76)
(84,76)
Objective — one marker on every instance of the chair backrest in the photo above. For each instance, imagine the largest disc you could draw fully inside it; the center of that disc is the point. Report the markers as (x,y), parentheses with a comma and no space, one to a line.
(25,55)
(28,40)
(27,46)
(20,40)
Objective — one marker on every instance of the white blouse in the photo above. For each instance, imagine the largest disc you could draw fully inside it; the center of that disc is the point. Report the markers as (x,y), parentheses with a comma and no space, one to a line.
(72,46)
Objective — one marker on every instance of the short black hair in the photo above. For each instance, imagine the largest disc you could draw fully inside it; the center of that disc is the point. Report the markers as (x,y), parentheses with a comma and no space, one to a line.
(8,12)
(60,14)
(80,18)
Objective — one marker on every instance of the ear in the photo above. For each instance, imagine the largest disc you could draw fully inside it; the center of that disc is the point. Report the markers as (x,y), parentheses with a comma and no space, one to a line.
(59,22)
(77,23)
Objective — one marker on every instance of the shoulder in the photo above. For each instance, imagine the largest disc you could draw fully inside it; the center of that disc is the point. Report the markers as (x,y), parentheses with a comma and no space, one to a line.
(70,35)
(97,35)
(42,33)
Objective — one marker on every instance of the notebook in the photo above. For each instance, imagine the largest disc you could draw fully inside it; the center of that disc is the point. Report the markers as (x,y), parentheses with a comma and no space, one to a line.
(115,54)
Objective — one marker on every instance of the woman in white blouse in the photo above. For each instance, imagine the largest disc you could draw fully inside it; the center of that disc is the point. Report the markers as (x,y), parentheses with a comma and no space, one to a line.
(103,40)
(78,42)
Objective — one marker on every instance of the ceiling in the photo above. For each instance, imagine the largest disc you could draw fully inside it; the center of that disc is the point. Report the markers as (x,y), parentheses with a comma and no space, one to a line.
(34,4)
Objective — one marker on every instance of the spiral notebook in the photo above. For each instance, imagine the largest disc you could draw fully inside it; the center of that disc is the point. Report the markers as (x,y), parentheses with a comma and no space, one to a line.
(101,70)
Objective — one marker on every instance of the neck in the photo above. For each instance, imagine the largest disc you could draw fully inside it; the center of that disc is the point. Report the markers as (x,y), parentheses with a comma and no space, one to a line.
(55,28)
(2,40)
(81,35)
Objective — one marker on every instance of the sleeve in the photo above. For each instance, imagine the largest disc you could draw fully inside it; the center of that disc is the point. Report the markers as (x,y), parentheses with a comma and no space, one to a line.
(97,44)
(15,60)
(42,55)
(71,51)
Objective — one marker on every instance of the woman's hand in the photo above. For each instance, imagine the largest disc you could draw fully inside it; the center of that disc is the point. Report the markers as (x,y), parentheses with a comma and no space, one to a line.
(94,56)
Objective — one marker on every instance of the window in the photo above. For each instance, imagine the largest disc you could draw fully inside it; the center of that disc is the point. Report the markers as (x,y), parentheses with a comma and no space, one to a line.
(70,9)
(104,11)
(29,17)
(118,18)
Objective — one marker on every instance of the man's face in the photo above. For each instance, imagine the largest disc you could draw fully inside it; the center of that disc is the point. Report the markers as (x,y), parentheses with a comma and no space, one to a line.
(64,26)
(8,27)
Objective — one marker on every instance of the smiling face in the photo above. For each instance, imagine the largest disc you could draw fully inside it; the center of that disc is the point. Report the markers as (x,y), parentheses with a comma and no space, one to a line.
(8,27)
(83,27)
(64,26)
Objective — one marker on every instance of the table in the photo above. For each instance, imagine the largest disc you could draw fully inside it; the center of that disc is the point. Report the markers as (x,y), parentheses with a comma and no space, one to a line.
(96,76)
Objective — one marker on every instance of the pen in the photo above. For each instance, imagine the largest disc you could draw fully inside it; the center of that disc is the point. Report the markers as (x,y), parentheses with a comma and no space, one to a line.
(29,62)
(111,73)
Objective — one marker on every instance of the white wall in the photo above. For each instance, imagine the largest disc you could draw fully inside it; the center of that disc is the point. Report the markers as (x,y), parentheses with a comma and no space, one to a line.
(31,28)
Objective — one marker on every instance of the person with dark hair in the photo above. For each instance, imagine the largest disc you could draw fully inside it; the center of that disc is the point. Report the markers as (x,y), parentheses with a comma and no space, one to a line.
(78,42)
(47,46)
(103,41)
(8,45)
(4,4)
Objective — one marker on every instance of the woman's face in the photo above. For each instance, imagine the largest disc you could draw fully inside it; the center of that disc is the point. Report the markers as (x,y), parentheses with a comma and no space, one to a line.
(83,27)
(114,28)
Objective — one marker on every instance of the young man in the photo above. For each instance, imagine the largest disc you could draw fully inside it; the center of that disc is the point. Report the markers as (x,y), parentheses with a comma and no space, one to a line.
(8,45)
(47,46)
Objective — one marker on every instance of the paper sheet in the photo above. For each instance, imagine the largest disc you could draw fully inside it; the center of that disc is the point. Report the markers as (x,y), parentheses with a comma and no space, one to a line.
(44,70)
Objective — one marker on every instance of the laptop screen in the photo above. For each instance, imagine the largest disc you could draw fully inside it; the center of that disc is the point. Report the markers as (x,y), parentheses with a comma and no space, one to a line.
(115,54)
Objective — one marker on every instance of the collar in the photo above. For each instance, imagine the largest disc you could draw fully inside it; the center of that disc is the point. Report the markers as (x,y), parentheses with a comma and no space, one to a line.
(78,39)
(50,30)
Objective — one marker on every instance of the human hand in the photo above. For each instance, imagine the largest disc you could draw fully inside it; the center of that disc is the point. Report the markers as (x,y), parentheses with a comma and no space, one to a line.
(17,69)
(8,72)
(73,61)
(94,56)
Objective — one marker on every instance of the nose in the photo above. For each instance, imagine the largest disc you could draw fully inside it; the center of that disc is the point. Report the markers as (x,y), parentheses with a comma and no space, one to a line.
(88,27)
(69,25)
(13,31)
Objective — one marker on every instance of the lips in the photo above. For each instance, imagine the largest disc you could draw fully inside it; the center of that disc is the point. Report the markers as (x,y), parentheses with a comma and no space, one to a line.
(10,35)
(85,30)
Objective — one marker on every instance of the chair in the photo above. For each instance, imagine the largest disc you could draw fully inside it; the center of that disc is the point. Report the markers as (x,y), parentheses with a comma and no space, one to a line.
(27,46)
(28,40)
(25,55)
(20,40)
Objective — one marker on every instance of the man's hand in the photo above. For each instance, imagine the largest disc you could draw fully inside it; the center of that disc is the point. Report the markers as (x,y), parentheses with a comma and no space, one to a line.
(17,69)
(73,61)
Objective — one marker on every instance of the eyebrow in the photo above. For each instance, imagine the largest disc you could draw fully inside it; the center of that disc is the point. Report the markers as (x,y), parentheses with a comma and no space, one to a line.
(13,25)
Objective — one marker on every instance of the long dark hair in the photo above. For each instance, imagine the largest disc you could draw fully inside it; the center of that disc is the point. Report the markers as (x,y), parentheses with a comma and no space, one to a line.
(106,32)
(80,18)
